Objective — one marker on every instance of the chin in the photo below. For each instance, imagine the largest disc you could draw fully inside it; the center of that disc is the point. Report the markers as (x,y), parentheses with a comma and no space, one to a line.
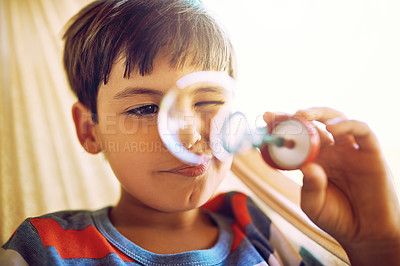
(186,201)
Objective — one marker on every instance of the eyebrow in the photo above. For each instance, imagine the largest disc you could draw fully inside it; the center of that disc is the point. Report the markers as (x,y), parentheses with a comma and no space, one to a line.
(129,92)
(207,89)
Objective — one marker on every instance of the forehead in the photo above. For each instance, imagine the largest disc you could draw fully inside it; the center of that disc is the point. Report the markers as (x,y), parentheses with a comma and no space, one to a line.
(162,78)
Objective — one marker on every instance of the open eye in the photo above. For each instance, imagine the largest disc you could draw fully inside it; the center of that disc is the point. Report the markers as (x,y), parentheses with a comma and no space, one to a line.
(145,110)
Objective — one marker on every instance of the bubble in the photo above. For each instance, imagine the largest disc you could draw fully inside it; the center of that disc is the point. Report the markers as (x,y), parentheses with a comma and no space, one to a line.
(192,113)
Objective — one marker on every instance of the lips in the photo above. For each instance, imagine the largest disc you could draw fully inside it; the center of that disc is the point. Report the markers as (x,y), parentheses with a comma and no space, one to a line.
(190,171)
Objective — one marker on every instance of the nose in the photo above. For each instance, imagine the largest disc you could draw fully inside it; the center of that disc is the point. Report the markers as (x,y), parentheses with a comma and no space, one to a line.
(189,136)
(190,130)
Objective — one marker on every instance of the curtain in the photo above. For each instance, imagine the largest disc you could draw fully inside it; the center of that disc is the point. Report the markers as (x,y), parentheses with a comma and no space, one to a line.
(42,165)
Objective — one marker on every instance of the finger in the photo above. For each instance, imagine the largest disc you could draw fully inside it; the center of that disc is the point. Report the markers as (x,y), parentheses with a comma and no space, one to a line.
(270,118)
(325,136)
(313,192)
(363,136)
(321,114)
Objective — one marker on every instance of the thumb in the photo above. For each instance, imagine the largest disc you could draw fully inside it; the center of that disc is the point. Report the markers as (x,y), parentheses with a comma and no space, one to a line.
(313,192)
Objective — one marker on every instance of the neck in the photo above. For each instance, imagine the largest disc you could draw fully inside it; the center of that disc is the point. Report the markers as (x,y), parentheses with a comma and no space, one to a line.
(175,232)
(131,212)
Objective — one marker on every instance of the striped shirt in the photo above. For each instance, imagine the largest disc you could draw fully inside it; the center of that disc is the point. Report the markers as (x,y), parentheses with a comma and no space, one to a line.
(89,238)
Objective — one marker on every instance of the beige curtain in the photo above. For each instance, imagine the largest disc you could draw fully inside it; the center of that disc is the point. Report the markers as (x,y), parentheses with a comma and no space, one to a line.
(42,166)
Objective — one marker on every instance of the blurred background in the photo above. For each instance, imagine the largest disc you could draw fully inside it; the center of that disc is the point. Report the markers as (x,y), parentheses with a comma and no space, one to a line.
(342,54)
(291,55)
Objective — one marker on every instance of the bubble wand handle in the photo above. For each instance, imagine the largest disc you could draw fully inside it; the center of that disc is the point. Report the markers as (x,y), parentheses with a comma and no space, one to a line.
(266,138)
(286,144)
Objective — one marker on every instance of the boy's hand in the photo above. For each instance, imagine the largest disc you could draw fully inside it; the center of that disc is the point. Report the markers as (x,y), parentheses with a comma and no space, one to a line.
(348,190)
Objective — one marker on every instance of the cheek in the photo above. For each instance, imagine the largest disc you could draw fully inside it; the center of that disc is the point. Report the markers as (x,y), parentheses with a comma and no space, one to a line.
(129,135)
(133,159)
(222,169)
(130,144)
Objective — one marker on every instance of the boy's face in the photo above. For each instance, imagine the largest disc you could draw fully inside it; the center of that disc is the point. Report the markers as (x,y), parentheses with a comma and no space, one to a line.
(128,136)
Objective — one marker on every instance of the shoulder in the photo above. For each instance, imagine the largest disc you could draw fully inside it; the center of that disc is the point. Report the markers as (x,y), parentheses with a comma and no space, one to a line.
(236,205)
(243,212)
(51,222)
(250,226)
(250,222)
(56,223)
(70,219)
(50,230)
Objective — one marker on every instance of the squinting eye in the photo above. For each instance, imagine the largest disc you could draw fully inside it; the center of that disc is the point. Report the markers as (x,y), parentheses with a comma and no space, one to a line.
(208,106)
(209,103)
(145,110)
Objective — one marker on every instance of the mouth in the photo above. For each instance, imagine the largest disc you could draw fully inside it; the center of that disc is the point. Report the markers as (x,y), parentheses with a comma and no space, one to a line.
(189,170)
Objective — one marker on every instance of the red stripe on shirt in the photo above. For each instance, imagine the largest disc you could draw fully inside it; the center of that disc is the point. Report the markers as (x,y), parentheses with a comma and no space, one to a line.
(73,244)
(238,235)
(215,204)
(240,211)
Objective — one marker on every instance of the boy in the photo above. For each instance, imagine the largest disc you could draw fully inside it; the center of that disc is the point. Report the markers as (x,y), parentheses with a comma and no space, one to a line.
(121,57)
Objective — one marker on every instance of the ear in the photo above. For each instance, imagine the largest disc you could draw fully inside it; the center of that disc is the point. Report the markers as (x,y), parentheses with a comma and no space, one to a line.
(85,128)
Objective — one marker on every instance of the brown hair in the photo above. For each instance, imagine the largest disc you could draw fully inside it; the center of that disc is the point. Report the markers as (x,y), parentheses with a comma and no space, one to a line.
(137,29)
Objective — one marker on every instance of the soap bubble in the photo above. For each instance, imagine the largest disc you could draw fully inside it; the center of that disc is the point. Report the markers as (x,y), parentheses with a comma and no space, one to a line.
(192,113)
